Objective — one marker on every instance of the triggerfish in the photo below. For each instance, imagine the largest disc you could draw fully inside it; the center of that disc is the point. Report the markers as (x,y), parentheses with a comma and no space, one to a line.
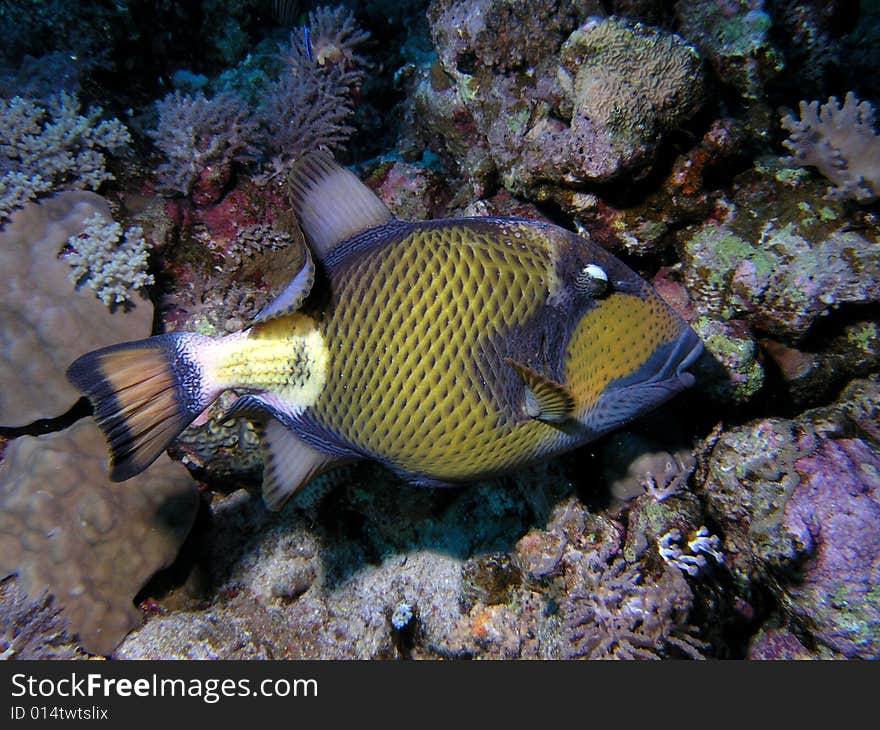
(448,350)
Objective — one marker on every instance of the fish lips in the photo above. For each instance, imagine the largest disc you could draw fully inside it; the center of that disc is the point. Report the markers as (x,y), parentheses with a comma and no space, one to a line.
(673,373)
(692,347)
(664,375)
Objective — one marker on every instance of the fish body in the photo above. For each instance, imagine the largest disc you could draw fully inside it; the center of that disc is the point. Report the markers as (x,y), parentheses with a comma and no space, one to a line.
(447,350)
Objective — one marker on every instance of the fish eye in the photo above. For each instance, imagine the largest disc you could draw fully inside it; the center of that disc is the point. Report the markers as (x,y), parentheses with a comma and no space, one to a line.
(591,281)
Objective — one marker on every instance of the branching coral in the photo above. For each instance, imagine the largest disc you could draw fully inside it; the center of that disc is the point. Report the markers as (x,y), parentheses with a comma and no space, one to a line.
(195,132)
(615,613)
(44,146)
(841,143)
(304,108)
(31,629)
(112,268)
(308,105)
(334,35)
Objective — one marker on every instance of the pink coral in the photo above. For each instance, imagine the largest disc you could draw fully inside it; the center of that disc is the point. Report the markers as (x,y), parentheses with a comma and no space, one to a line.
(841,143)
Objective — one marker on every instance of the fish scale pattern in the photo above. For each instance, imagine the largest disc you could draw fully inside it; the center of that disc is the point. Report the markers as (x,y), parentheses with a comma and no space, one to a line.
(616,340)
(417,339)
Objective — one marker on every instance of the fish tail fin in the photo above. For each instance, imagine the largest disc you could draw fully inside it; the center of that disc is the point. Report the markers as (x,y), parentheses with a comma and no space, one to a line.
(144,393)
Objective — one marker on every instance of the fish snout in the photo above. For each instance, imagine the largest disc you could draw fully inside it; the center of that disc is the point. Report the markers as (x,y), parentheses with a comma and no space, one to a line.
(688,350)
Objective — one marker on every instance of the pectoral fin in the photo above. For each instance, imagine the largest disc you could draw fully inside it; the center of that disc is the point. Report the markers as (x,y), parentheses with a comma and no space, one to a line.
(545,399)
(294,293)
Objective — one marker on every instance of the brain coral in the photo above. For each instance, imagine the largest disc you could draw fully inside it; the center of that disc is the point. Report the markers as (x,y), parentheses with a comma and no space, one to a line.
(588,109)
(627,83)
(45,323)
(90,543)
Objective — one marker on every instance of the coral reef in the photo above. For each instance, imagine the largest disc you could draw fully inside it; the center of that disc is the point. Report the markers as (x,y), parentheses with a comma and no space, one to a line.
(739,522)
(617,614)
(200,139)
(91,544)
(735,36)
(780,262)
(502,35)
(32,629)
(308,105)
(734,371)
(841,143)
(573,105)
(798,503)
(303,105)
(450,584)
(45,145)
(833,516)
(114,268)
(46,322)
(627,85)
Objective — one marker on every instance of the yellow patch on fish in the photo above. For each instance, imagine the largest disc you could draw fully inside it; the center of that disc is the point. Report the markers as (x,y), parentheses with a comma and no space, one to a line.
(287,356)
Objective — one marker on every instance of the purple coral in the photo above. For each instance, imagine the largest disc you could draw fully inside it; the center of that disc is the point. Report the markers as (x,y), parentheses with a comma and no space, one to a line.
(334,36)
(196,133)
(32,629)
(308,105)
(616,612)
(834,516)
(841,143)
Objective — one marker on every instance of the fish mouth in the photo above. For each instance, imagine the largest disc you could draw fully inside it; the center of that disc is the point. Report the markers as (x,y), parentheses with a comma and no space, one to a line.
(672,374)
(667,375)
(692,347)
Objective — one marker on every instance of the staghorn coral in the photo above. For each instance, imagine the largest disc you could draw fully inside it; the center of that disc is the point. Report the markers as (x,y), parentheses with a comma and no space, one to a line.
(112,268)
(45,323)
(45,145)
(90,543)
(841,143)
(196,134)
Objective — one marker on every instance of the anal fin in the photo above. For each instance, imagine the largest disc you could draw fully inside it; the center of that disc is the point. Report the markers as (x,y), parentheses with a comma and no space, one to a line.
(289,464)
(545,399)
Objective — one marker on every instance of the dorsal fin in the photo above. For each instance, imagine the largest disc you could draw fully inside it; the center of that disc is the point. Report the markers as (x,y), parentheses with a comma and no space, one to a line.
(546,400)
(331,204)
(294,294)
